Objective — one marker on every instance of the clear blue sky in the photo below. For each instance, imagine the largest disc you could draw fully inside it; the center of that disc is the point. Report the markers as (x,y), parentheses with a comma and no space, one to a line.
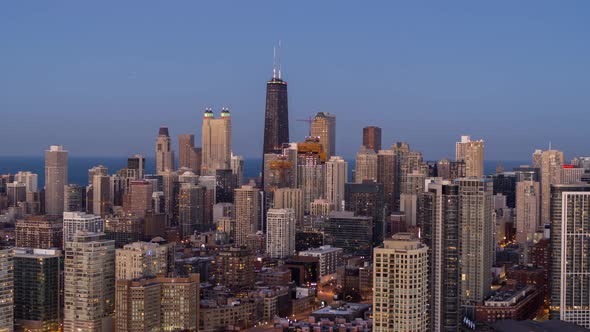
(101,77)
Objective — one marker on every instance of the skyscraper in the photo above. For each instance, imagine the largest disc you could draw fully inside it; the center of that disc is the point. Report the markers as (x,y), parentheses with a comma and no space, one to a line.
(472,153)
(137,164)
(191,209)
(366,199)
(311,169)
(246,203)
(6,290)
(29,179)
(528,208)
(56,177)
(324,127)
(237,168)
(186,145)
(366,165)
(89,270)
(74,198)
(570,229)
(216,142)
(280,233)
(550,162)
(386,172)
(372,138)
(164,153)
(101,199)
(276,116)
(400,301)
(141,259)
(41,232)
(476,241)
(76,221)
(37,289)
(290,198)
(336,178)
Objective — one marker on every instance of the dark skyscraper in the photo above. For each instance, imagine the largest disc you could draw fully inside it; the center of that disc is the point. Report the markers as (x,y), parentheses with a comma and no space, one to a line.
(372,138)
(276,117)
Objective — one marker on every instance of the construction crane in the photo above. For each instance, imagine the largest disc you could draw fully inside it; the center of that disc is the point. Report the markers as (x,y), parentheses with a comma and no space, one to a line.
(309,121)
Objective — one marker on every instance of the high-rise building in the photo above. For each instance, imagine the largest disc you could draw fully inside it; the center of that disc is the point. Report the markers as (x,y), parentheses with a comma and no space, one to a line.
(386,174)
(56,177)
(164,153)
(476,241)
(290,198)
(234,268)
(29,179)
(188,155)
(311,168)
(550,162)
(366,165)
(471,152)
(76,221)
(366,199)
(102,202)
(139,198)
(225,183)
(41,232)
(37,289)
(158,304)
(16,193)
(571,174)
(237,169)
(246,204)
(354,234)
(372,138)
(324,127)
(439,220)
(330,258)
(280,233)
(528,210)
(400,301)
(137,164)
(276,115)
(216,142)
(74,198)
(170,187)
(191,209)
(89,270)
(570,229)
(336,178)
(321,207)
(6,290)
(141,259)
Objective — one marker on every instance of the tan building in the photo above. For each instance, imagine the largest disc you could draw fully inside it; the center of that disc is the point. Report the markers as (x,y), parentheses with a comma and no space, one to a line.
(246,204)
(336,177)
(472,153)
(89,270)
(288,198)
(240,313)
(164,153)
(101,195)
(551,163)
(280,232)
(141,259)
(321,207)
(41,232)
(56,178)
(139,198)
(216,142)
(528,210)
(400,279)
(366,165)
(157,304)
(189,156)
(324,127)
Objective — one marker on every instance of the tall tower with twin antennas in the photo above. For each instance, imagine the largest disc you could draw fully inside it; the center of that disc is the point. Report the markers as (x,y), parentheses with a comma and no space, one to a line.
(276,116)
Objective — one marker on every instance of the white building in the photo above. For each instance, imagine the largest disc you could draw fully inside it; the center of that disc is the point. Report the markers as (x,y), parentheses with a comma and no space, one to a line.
(89,287)
(330,258)
(400,281)
(280,234)
(29,179)
(75,221)
(336,178)
(141,259)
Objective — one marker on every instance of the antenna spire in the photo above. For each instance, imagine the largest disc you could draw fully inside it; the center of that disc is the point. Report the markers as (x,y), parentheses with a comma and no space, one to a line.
(549,145)
(280,49)
(274,62)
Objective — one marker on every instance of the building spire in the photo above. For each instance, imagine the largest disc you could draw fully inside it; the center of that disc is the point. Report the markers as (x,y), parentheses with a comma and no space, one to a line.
(274,62)
(280,48)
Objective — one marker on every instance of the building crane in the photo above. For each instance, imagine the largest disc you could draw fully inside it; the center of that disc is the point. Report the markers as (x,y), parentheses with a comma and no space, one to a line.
(309,121)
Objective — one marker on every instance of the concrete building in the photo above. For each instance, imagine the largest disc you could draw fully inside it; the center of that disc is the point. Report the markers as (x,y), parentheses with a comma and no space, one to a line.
(30,180)
(290,198)
(330,259)
(216,142)
(311,170)
(321,208)
(386,175)
(528,210)
(56,177)
(366,165)
(476,241)
(164,153)
(472,153)
(102,200)
(6,290)
(41,232)
(89,270)
(234,267)
(237,169)
(324,127)
(246,204)
(76,221)
(570,228)
(74,198)
(139,198)
(372,138)
(354,234)
(189,156)
(191,209)
(37,289)
(366,199)
(158,304)
(280,232)
(141,259)
(336,177)
(571,174)
(550,162)
(16,193)
(400,279)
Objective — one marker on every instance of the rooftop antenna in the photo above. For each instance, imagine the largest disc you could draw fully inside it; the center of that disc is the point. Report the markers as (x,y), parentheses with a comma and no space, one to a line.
(280,59)
(549,141)
(274,62)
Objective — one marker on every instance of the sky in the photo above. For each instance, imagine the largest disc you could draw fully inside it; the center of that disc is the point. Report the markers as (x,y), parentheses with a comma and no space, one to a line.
(101,77)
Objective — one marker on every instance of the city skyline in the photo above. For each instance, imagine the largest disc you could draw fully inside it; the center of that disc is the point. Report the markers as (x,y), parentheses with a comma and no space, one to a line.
(444,87)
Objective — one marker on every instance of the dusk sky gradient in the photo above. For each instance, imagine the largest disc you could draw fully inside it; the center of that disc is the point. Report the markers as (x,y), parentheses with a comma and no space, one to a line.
(101,77)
